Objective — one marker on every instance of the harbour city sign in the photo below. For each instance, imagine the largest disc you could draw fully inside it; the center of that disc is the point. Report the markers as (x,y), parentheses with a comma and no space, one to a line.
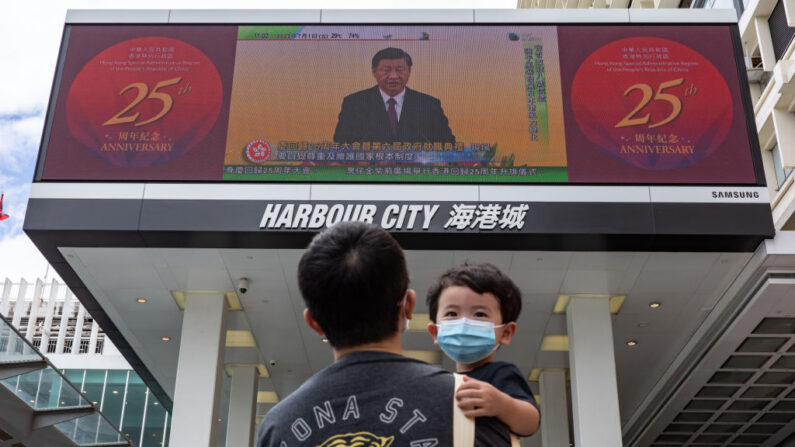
(446,216)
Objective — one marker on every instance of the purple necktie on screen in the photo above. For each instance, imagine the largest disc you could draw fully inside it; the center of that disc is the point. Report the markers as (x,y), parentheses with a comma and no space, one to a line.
(393,120)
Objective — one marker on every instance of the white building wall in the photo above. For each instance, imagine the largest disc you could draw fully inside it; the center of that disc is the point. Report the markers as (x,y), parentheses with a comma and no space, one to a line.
(773,96)
(53,313)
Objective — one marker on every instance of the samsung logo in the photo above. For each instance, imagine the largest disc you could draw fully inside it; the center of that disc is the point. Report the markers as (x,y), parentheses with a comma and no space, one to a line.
(735,194)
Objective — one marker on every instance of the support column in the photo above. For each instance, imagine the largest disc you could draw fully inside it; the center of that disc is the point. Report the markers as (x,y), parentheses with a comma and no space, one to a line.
(20,307)
(554,408)
(594,390)
(242,406)
(33,313)
(81,318)
(198,385)
(66,313)
(765,43)
(5,297)
(48,315)
(92,339)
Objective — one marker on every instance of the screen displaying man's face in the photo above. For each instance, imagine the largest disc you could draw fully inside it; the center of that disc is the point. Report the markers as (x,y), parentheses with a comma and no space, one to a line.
(392,75)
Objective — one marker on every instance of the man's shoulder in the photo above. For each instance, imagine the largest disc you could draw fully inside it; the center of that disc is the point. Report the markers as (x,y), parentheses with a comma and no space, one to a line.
(364,391)
(362,94)
(363,371)
(420,97)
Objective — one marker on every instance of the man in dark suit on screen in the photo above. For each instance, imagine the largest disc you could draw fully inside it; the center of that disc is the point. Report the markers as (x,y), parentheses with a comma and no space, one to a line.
(390,111)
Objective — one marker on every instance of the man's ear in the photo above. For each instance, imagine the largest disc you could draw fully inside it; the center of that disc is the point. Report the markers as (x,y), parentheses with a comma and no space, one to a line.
(411,301)
(312,323)
(507,333)
(434,331)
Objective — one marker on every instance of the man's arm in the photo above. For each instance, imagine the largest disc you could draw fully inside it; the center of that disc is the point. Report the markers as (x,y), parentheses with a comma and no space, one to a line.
(441,125)
(344,131)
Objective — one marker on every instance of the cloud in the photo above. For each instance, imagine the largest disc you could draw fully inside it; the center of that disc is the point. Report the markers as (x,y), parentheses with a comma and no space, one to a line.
(18,151)
(20,143)
(30,34)
(20,259)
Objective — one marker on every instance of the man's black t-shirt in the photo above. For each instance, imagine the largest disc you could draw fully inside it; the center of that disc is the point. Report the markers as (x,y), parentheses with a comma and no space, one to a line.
(507,378)
(368,398)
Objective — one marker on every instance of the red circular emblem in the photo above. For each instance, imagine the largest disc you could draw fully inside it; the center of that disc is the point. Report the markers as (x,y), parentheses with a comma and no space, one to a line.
(144,101)
(652,103)
(258,151)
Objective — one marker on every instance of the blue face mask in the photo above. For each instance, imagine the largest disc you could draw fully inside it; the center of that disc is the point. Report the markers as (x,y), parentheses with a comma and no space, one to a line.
(466,341)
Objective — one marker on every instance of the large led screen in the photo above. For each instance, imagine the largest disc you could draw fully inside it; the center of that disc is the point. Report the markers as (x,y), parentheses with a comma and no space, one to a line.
(461,104)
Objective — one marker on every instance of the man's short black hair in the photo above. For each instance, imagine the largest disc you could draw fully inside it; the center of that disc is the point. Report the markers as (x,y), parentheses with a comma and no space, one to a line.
(352,277)
(481,278)
(391,53)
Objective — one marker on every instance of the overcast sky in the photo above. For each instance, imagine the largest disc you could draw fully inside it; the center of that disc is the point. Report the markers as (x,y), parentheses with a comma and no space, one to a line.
(30,34)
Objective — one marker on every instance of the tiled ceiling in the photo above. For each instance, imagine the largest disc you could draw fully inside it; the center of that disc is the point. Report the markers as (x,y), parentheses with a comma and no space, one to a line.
(746,401)
(741,389)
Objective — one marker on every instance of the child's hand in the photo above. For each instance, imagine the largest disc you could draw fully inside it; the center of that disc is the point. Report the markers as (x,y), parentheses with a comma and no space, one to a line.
(476,398)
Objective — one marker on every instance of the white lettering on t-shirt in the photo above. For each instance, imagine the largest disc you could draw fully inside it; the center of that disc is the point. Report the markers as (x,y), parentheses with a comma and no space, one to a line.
(418,417)
(324,415)
(301,429)
(351,408)
(432,442)
(392,413)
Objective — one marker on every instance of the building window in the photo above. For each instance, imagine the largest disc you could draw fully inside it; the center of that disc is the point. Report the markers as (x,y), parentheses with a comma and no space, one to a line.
(37,343)
(100,345)
(67,346)
(51,345)
(781,173)
(738,5)
(765,79)
(84,346)
(780,32)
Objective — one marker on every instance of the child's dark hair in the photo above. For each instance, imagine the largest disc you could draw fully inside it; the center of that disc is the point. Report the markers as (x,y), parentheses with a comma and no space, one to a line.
(481,278)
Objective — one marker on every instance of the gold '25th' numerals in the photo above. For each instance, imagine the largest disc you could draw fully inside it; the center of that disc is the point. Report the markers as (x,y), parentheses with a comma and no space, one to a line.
(647,91)
(144,93)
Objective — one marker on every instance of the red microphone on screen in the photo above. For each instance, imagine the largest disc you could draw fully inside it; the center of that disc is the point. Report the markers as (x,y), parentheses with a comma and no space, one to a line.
(2,216)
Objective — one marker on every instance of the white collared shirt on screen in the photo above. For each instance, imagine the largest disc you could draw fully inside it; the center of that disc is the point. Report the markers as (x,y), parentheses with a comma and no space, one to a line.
(398,101)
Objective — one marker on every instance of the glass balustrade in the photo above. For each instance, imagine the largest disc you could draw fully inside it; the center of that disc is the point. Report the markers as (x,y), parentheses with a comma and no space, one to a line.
(45,389)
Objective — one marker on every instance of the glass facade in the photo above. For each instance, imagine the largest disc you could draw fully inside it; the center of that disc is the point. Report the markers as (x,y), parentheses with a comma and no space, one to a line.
(65,327)
(124,399)
(44,388)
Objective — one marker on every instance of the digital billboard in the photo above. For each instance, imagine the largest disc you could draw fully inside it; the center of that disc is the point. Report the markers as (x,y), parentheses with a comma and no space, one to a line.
(410,103)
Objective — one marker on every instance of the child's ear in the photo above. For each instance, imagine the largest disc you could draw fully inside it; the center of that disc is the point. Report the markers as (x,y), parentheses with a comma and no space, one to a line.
(433,330)
(507,333)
